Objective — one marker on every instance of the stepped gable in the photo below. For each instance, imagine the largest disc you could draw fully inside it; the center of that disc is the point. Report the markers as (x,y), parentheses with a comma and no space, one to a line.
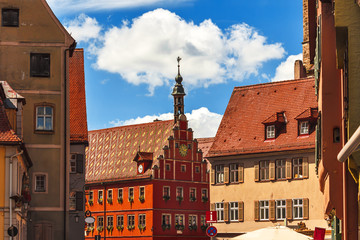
(110,154)
(242,129)
(77,100)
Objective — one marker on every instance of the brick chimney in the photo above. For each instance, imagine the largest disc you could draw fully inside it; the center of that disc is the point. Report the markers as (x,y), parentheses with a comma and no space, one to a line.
(309,29)
(299,70)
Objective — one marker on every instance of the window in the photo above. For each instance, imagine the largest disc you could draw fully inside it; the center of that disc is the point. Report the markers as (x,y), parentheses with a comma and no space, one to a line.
(183,168)
(192,221)
(110,221)
(304,127)
(44,118)
(197,169)
(76,163)
(280,169)
(100,196)
(270,132)
(297,168)
(131,194)
(91,196)
(203,220)
(142,220)
(120,193)
(280,209)
(120,221)
(179,219)
(142,194)
(234,173)
(220,211)
(204,195)
(264,170)
(109,196)
(192,194)
(219,173)
(264,210)
(76,201)
(40,183)
(90,227)
(297,208)
(131,221)
(234,211)
(166,220)
(100,221)
(10,17)
(40,65)
(167,167)
(179,193)
(166,191)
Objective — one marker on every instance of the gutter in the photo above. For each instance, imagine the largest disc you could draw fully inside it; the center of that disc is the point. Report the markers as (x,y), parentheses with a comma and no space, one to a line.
(351,146)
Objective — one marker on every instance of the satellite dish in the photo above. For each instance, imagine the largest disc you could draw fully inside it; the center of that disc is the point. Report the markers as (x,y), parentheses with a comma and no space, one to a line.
(90,219)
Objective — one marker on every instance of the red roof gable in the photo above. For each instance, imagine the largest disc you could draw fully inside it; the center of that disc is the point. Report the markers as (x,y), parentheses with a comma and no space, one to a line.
(111,151)
(7,134)
(78,119)
(204,144)
(241,130)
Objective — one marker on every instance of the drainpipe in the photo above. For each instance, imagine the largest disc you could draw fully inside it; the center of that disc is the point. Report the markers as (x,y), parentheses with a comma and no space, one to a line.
(10,185)
(351,146)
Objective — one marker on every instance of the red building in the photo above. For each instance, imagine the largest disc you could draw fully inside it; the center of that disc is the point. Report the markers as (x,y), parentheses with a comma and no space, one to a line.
(147,181)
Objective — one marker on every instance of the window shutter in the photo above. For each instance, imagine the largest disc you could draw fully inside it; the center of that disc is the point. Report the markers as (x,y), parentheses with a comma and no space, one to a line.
(212,207)
(272,170)
(256,212)
(79,201)
(305,167)
(256,168)
(79,163)
(288,169)
(272,210)
(306,208)
(226,174)
(212,175)
(241,211)
(241,173)
(226,212)
(289,209)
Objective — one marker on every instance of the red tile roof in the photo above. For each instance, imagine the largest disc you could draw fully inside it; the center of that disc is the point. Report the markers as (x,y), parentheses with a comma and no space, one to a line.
(7,134)
(242,130)
(78,119)
(204,144)
(110,154)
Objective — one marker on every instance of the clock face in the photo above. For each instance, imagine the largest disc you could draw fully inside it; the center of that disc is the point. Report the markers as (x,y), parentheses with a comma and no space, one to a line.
(140,168)
(183,150)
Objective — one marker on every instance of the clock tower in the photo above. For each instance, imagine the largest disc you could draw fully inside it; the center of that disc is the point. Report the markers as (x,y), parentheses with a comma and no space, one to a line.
(178,93)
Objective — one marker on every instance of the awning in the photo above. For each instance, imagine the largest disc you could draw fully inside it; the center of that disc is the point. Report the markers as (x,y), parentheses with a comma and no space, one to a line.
(351,146)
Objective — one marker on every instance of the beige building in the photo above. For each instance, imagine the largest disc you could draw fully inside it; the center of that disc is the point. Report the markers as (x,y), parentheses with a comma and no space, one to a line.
(34,59)
(262,159)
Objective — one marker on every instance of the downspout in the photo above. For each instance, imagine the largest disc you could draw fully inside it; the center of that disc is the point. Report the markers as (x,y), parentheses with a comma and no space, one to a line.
(10,185)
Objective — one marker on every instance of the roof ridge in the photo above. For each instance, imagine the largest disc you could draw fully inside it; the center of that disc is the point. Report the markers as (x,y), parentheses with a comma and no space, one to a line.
(132,125)
(271,84)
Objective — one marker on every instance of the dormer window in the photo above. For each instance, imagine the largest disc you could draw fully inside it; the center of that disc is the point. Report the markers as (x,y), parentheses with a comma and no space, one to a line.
(304,127)
(270,132)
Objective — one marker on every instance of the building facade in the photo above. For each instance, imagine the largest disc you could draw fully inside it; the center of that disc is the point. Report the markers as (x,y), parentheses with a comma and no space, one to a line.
(262,159)
(147,181)
(34,55)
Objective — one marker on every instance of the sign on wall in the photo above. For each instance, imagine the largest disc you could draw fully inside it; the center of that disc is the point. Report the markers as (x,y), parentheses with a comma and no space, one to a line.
(211,217)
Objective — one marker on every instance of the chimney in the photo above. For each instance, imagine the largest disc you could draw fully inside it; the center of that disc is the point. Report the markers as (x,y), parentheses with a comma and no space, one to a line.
(309,31)
(299,70)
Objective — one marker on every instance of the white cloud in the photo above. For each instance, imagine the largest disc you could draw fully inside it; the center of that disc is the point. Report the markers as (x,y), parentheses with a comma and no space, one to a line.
(83,28)
(203,122)
(285,71)
(144,51)
(66,6)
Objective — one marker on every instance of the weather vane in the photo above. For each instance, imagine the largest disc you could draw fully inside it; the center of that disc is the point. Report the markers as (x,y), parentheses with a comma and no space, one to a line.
(179,59)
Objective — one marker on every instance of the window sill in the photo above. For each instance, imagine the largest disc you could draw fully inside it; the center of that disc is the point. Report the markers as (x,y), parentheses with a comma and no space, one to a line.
(45,132)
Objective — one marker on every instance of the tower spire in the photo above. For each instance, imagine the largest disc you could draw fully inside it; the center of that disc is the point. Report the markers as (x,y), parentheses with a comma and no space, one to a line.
(178,94)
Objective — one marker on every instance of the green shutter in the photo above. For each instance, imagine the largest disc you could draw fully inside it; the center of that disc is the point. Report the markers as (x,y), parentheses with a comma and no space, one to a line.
(317,59)
(318,143)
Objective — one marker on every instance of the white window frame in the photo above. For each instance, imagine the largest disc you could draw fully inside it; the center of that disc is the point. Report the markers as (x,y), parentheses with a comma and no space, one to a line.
(190,193)
(304,128)
(181,192)
(270,131)
(180,219)
(168,187)
(110,221)
(141,187)
(280,209)
(44,116)
(121,193)
(219,207)
(131,193)
(131,220)
(298,208)
(219,173)
(91,195)
(102,194)
(192,221)
(297,168)
(142,219)
(119,220)
(234,211)
(206,192)
(264,210)
(37,181)
(98,221)
(110,194)
(280,165)
(164,218)
(264,170)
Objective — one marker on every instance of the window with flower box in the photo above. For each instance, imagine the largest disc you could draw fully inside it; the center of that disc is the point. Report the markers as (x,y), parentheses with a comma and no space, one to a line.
(100,196)
(131,195)
(179,194)
(120,222)
(131,222)
(166,221)
(91,198)
(192,195)
(166,193)
(120,195)
(141,194)
(142,222)
(192,222)
(100,223)
(204,195)
(110,223)
(179,221)
(110,196)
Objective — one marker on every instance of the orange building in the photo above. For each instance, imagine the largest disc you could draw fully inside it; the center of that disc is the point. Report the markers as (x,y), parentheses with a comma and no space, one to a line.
(147,181)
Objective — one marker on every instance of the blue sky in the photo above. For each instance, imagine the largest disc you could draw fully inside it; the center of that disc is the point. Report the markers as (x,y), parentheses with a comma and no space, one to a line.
(131,48)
